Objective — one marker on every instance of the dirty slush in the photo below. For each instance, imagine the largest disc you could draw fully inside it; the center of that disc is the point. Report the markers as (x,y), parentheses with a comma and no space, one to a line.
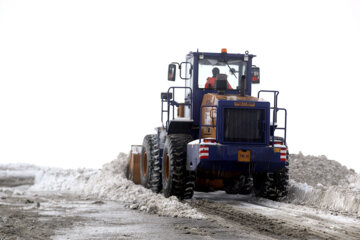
(52,203)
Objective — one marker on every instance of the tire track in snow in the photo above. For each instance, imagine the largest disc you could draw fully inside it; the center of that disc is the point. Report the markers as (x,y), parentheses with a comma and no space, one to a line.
(276,219)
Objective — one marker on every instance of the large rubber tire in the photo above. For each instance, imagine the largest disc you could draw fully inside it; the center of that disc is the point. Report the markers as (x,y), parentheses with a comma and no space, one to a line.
(231,185)
(149,155)
(246,185)
(241,185)
(155,179)
(273,186)
(176,180)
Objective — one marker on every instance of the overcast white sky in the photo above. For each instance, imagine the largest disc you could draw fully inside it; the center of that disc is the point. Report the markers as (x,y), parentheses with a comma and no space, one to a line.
(80,80)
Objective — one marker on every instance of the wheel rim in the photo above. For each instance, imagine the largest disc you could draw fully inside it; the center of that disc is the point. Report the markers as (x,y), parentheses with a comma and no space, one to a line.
(144,164)
(167,167)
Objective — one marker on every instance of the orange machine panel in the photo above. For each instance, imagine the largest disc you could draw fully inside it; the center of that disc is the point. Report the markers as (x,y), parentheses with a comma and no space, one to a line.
(208,114)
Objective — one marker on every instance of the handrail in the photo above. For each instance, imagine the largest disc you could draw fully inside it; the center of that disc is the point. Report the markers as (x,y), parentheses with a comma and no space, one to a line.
(281,128)
(173,103)
(276,94)
(275,112)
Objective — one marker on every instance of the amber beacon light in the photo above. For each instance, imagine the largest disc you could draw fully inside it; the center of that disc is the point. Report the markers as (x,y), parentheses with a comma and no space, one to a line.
(223,50)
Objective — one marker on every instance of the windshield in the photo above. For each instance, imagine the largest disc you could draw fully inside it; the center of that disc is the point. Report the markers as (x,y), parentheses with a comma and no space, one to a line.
(209,68)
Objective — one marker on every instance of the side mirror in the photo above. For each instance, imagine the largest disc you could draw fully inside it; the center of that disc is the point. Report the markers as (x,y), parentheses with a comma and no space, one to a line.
(172,72)
(255,78)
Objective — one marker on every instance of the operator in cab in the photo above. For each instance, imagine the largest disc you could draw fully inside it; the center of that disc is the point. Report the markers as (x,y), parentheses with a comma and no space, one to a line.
(210,82)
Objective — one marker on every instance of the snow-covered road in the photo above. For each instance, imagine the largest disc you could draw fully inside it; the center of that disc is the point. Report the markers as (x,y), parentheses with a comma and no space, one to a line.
(324,203)
(277,220)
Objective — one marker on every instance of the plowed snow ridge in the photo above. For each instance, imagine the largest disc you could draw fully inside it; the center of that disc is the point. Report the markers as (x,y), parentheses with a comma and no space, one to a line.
(110,183)
(314,181)
(323,183)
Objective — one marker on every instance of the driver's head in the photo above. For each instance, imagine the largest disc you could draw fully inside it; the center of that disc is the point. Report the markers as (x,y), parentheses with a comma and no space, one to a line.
(215,71)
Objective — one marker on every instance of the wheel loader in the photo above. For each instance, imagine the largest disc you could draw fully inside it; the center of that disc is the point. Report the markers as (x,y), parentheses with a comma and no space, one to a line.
(217,136)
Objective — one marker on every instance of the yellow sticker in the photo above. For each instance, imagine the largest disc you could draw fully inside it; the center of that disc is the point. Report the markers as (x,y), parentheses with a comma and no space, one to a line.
(244,104)
(244,156)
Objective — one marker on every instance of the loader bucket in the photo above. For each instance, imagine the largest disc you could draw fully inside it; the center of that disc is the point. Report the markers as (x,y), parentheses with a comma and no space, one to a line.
(134,164)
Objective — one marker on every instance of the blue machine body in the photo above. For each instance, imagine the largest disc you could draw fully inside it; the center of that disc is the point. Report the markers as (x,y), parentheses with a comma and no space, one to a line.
(221,157)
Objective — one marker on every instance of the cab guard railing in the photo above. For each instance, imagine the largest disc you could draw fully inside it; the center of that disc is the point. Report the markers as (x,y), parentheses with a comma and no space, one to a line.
(171,104)
(275,112)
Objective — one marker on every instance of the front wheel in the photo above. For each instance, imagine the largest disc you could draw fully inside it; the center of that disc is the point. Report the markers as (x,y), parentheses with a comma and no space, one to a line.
(176,180)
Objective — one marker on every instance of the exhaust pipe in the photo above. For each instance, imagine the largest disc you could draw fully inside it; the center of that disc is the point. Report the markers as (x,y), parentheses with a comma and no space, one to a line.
(242,84)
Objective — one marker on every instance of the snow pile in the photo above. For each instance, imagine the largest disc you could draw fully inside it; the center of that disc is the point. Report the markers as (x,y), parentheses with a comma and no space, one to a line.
(14,175)
(314,181)
(110,183)
(58,179)
(319,182)
(318,170)
(18,170)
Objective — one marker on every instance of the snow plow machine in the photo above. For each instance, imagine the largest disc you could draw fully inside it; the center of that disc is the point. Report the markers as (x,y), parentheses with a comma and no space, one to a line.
(217,136)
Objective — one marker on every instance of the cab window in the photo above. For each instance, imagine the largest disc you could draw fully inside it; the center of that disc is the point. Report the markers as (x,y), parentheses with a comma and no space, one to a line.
(209,68)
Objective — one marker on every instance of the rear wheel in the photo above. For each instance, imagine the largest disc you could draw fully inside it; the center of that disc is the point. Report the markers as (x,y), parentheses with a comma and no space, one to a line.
(246,184)
(176,180)
(149,156)
(240,185)
(231,186)
(274,185)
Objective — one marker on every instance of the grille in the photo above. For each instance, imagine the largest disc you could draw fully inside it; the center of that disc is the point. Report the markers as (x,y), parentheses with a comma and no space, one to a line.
(244,125)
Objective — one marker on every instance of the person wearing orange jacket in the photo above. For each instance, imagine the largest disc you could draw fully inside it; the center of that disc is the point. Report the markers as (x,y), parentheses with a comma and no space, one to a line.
(210,81)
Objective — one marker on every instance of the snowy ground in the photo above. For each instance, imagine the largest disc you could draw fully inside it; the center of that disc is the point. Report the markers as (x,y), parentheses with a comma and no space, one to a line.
(326,184)
(324,203)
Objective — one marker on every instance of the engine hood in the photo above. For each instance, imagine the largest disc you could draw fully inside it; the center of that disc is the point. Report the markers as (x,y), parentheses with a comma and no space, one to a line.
(213,98)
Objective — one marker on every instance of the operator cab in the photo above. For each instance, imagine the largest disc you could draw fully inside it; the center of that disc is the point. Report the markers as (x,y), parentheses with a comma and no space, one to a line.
(204,72)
